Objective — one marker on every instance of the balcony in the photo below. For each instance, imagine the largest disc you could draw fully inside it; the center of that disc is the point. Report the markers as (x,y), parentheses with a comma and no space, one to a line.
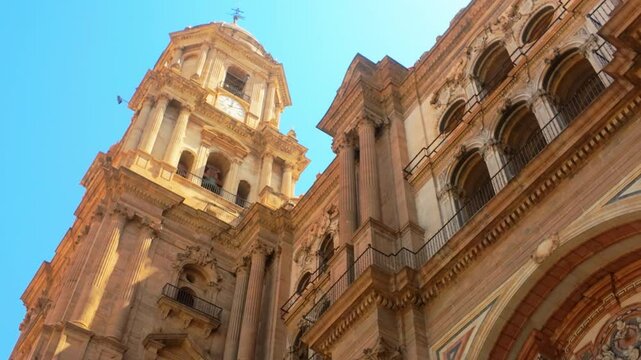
(567,111)
(189,308)
(214,188)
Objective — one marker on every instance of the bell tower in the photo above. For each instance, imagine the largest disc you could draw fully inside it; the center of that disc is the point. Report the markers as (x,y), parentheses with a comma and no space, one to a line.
(207,119)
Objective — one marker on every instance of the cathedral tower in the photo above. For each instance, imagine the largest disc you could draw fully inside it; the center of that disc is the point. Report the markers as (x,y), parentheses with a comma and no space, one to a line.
(178,235)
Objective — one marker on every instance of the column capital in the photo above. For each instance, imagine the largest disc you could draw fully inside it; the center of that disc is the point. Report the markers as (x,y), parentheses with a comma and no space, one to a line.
(242,265)
(365,122)
(261,248)
(344,141)
(184,107)
(288,166)
(162,99)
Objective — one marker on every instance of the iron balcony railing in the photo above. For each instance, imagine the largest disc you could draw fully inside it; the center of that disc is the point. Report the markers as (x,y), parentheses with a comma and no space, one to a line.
(522,53)
(210,185)
(416,259)
(188,299)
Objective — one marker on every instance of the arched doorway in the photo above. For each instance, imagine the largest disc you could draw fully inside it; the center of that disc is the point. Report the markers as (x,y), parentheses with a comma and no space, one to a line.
(472,185)
(492,68)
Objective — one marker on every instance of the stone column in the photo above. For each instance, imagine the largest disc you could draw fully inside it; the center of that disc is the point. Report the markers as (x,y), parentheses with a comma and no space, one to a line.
(152,127)
(286,184)
(78,262)
(236,314)
(204,50)
(172,154)
(120,313)
(344,147)
(231,180)
(266,171)
(370,204)
(495,161)
(133,138)
(249,328)
(106,257)
(545,113)
(270,100)
(177,61)
(199,163)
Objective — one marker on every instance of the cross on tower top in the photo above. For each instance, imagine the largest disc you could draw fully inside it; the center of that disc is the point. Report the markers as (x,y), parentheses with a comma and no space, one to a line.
(237,14)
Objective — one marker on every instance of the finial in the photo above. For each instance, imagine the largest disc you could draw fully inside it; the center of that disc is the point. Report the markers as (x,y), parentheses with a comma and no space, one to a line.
(237,14)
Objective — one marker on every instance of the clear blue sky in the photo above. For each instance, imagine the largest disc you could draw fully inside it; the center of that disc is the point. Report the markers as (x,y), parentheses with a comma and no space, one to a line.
(64,62)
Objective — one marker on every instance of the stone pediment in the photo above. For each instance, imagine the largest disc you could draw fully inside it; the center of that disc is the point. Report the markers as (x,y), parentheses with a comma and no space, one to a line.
(228,144)
(356,91)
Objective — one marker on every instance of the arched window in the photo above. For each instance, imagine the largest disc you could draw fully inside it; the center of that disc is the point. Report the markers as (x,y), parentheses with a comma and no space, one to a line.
(185,164)
(472,181)
(519,132)
(325,253)
(235,81)
(186,296)
(303,282)
(243,193)
(452,117)
(572,84)
(492,68)
(537,25)
(215,171)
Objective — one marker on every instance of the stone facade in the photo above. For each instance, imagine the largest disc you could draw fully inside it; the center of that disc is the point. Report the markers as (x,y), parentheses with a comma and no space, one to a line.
(483,204)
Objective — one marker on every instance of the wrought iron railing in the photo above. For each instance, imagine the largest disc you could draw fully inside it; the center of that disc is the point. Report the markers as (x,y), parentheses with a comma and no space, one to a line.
(522,53)
(188,299)
(415,259)
(211,185)
(236,89)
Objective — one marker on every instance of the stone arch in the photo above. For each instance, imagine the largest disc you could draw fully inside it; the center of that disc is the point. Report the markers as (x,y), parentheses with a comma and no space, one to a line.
(602,238)
(537,23)
(470,178)
(571,82)
(491,67)
(235,80)
(452,116)
(216,169)
(303,281)
(186,163)
(325,252)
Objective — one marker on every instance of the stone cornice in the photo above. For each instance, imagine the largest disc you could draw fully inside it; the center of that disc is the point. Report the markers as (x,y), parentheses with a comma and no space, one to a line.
(368,291)
(283,146)
(466,245)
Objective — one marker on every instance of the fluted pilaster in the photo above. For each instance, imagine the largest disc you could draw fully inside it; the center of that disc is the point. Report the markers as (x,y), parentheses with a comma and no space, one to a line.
(135,269)
(236,314)
(133,138)
(152,127)
(368,174)
(266,171)
(172,155)
(249,328)
(105,255)
(286,184)
(347,212)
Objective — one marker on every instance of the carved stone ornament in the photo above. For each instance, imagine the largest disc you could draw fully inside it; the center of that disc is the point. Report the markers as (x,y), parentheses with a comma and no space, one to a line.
(41,307)
(382,351)
(202,257)
(620,339)
(545,248)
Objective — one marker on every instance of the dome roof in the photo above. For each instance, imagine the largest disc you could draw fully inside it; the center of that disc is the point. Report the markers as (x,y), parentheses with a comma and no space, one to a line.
(244,36)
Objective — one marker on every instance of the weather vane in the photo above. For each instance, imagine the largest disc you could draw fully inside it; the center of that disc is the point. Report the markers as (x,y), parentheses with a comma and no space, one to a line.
(237,14)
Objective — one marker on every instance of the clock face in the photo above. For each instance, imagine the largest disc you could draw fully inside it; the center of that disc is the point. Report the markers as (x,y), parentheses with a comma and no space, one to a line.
(231,107)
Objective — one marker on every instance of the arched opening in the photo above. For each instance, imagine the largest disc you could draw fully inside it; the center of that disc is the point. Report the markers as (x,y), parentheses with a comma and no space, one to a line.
(325,253)
(300,350)
(492,68)
(472,182)
(452,117)
(538,25)
(519,132)
(235,81)
(572,84)
(243,193)
(215,171)
(186,296)
(303,282)
(185,164)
